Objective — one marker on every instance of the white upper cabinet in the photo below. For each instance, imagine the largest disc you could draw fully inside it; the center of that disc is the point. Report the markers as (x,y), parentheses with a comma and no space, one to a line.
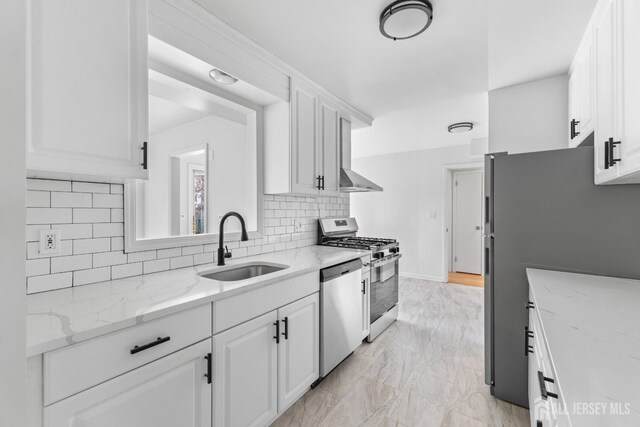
(88,90)
(581,94)
(617,92)
(302,147)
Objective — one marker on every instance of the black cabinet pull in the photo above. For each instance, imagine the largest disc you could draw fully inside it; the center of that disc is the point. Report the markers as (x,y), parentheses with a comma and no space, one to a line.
(574,123)
(529,305)
(286,328)
(606,153)
(319,179)
(539,423)
(543,387)
(208,375)
(364,287)
(144,155)
(277,335)
(527,348)
(322,180)
(138,349)
(612,159)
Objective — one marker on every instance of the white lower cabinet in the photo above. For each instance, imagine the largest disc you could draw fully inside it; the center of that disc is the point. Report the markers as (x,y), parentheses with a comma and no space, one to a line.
(366,304)
(264,365)
(299,349)
(172,391)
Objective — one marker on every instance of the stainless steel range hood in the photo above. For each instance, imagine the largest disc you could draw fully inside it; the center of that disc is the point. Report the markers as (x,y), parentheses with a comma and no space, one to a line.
(351,181)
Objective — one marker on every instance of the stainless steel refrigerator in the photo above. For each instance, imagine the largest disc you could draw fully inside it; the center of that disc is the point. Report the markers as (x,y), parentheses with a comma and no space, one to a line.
(543,210)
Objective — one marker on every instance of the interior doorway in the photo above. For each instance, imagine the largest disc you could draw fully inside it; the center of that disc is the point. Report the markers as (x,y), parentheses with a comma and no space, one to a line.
(465,264)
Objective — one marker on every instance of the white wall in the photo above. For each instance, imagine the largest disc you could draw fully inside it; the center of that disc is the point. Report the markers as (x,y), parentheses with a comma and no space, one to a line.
(231,185)
(530,116)
(12,213)
(414,186)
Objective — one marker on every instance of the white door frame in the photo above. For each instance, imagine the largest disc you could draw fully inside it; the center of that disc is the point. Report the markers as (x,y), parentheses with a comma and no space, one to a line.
(447,209)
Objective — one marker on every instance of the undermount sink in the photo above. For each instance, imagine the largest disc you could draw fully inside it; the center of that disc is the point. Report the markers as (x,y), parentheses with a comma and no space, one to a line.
(242,272)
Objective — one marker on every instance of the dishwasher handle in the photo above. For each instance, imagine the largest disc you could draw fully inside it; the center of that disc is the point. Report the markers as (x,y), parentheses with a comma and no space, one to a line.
(336,271)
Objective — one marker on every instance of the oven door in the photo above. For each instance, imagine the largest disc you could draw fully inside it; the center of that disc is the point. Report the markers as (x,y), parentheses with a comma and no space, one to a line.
(384,287)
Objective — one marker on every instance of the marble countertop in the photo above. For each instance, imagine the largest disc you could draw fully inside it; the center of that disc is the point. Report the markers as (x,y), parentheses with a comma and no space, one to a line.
(63,317)
(592,329)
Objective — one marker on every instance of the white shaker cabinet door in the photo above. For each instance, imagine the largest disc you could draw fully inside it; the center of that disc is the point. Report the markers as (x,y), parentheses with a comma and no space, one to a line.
(172,391)
(88,89)
(245,374)
(304,139)
(607,78)
(329,149)
(299,349)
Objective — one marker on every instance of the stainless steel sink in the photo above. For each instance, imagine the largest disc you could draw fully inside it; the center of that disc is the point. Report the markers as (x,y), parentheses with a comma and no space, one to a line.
(242,272)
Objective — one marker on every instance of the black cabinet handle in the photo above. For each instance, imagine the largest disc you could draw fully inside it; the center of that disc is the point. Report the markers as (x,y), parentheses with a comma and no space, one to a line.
(319,179)
(607,152)
(277,335)
(612,159)
(208,375)
(527,348)
(286,328)
(574,123)
(144,155)
(542,380)
(529,305)
(323,182)
(364,287)
(539,423)
(138,349)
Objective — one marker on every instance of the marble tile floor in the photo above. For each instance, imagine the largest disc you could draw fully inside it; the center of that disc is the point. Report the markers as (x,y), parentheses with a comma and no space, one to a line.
(427,369)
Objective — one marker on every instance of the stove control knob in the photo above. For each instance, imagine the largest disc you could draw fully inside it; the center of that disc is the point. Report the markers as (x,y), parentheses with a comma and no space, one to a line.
(394,250)
(378,255)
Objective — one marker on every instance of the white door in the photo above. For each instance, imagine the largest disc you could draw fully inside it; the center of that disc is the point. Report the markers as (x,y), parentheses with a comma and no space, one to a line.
(172,391)
(606,109)
(329,149)
(88,88)
(630,90)
(245,374)
(467,222)
(304,117)
(299,349)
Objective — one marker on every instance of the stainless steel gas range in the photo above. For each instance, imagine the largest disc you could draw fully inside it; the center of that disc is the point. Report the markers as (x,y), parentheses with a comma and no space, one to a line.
(381,267)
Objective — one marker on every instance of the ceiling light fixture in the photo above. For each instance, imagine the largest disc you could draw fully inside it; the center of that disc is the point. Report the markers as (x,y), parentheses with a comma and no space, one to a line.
(460,127)
(222,77)
(404,19)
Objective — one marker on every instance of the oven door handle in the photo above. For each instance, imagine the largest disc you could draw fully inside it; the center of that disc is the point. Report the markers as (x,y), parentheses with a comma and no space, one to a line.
(386,261)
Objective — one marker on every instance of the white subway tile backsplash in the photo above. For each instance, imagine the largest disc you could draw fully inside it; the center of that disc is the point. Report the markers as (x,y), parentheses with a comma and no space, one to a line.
(70,263)
(48,185)
(108,201)
(90,217)
(126,270)
(181,262)
(74,231)
(48,216)
(70,200)
(90,187)
(142,256)
(88,246)
(156,265)
(94,275)
(38,267)
(38,199)
(104,259)
(113,229)
(48,282)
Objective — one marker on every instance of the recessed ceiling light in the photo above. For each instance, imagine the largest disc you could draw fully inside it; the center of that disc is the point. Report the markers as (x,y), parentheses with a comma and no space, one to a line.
(222,77)
(404,19)
(460,127)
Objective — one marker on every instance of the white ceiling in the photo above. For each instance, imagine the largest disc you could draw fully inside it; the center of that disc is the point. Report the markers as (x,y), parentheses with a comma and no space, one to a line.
(531,40)
(415,88)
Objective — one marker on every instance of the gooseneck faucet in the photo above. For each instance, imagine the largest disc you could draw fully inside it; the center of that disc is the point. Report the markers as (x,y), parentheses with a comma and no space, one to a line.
(222,251)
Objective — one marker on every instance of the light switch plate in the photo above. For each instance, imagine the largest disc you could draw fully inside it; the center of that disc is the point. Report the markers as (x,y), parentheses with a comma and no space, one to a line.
(49,242)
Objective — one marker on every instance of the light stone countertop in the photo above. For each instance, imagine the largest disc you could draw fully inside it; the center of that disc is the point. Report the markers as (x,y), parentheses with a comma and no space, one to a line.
(59,318)
(592,329)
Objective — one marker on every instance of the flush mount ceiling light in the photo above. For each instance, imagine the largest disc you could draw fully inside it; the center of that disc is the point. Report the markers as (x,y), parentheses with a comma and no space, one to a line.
(460,127)
(222,77)
(404,19)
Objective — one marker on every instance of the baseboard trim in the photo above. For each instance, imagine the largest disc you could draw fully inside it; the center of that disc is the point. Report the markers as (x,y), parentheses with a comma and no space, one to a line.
(423,277)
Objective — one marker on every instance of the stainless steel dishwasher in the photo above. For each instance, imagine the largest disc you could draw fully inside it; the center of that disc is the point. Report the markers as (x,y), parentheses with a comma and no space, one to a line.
(340,313)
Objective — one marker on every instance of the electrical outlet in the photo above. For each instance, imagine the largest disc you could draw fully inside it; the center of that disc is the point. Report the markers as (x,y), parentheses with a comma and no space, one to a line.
(49,241)
(297,224)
